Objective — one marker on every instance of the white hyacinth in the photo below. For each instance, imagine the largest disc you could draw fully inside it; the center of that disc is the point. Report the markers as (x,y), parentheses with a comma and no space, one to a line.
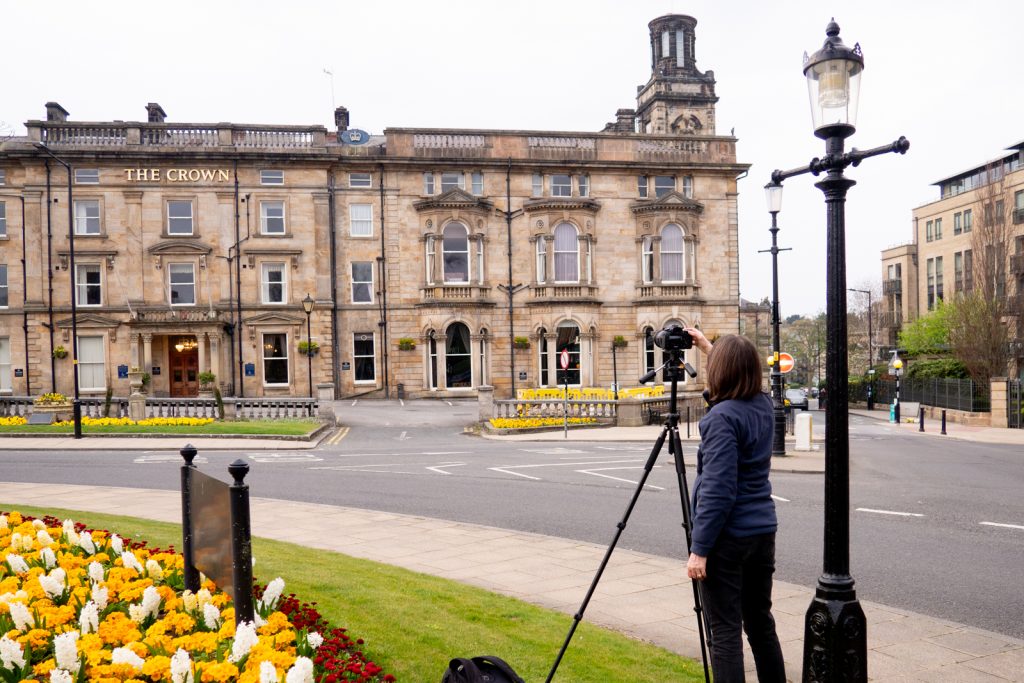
(21,543)
(100,595)
(86,543)
(7,598)
(189,600)
(149,607)
(96,572)
(23,619)
(124,655)
(211,616)
(89,618)
(273,593)
(48,558)
(181,667)
(314,639)
(154,570)
(65,651)
(301,671)
(116,544)
(17,564)
(245,638)
(54,583)
(11,655)
(38,524)
(69,532)
(43,538)
(3,521)
(60,676)
(203,596)
(268,673)
(129,561)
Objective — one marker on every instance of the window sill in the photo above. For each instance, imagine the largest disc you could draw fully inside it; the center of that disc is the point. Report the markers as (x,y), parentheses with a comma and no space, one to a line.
(275,235)
(179,235)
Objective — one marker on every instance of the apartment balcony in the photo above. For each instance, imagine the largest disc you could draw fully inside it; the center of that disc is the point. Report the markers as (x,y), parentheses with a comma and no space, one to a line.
(891,319)
(892,287)
(453,295)
(197,314)
(650,293)
(563,293)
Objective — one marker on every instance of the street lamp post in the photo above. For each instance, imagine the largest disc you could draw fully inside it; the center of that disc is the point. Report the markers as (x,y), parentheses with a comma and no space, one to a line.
(871,358)
(615,371)
(773,193)
(307,306)
(835,629)
(76,404)
(897,368)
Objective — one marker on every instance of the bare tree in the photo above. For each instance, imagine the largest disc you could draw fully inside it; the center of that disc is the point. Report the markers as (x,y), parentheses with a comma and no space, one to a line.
(978,332)
(804,339)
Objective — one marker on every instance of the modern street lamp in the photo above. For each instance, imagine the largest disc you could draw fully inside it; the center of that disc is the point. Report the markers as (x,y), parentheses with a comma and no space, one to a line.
(307,306)
(76,404)
(773,193)
(835,629)
(897,369)
(871,357)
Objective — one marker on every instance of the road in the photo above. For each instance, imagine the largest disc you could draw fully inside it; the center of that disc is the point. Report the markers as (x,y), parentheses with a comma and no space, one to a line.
(937,525)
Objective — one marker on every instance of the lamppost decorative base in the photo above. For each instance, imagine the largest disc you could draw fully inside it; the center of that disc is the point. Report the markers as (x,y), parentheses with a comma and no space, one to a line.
(835,641)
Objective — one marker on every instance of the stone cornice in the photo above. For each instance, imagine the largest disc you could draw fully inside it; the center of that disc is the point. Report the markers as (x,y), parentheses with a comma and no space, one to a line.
(561,204)
(454,199)
(673,201)
(179,247)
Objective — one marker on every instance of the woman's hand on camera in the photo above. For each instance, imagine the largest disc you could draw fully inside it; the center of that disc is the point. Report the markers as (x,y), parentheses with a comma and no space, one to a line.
(699,340)
(697,567)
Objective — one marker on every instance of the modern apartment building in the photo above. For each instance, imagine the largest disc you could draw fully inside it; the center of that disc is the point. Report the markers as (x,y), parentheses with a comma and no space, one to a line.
(434,260)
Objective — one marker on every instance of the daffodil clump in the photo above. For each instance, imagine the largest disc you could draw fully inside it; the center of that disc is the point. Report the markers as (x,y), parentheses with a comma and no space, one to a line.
(532,422)
(589,393)
(12,421)
(79,605)
(149,421)
(50,398)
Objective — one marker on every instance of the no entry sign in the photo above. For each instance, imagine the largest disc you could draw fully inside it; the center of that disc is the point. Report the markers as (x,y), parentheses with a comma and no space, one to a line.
(564,359)
(785,363)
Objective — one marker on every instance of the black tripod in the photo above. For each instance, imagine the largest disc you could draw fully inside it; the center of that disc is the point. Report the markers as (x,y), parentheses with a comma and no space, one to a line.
(673,373)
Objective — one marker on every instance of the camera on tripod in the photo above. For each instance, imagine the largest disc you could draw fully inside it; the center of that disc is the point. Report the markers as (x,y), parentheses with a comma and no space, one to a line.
(673,338)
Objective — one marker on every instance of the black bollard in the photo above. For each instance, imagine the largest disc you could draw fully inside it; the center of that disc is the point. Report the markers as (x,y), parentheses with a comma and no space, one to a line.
(191,574)
(920,419)
(241,542)
(943,423)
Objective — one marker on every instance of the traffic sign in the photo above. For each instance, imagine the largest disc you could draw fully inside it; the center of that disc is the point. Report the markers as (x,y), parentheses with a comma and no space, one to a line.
(564,359)
(785,363)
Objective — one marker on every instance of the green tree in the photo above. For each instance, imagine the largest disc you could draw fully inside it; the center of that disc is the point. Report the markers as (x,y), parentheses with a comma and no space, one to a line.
(929,334)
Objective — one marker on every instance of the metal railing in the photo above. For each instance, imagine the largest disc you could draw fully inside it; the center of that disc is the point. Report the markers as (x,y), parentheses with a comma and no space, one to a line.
(954,394)
(1014,405)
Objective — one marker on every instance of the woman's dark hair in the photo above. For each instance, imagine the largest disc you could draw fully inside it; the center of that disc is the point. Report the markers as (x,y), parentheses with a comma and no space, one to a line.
(734,369)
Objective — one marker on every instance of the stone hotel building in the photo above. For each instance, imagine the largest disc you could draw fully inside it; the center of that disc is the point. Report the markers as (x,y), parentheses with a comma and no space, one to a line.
(436,261)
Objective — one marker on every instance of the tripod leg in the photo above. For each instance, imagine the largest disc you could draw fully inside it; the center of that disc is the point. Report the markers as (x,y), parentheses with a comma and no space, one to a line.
(675,447)
(620,527)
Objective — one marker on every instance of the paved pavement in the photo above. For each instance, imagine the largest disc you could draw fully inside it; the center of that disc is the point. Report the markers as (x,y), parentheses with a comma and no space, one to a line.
(641,595)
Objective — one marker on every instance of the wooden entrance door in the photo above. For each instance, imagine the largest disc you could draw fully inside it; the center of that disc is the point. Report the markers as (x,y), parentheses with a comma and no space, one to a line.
(184,370)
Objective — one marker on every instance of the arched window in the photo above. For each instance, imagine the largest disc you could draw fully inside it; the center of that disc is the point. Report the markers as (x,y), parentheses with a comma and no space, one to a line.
(567,253)
(483,356)
(458,359)
(542,260)
(432,352)
(648,349)
(647,260)
(455,245)
(568,340)
(431,241)
(672,253)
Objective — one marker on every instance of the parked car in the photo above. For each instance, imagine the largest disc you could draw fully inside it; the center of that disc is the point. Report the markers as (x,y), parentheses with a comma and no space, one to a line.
(797,398)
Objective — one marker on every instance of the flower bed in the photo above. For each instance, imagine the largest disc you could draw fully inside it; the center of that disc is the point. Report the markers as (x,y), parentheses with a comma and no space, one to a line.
(537,422)
(79,605)
(107,421)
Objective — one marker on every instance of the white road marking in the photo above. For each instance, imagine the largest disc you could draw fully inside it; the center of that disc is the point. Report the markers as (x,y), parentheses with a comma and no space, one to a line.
(784,500)
(438,469)
(518,474)
(355,401)
(283,457)
(625,448)
(1004,526)
(596,473)
(403,437)
(167,457)
(890,512)
(507,469)
(401,402)
(450,404)
(552,451)
(363,468)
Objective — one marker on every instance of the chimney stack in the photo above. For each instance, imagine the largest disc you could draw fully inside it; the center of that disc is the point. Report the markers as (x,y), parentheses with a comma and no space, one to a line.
(56,113)
(155,113)
(341,119)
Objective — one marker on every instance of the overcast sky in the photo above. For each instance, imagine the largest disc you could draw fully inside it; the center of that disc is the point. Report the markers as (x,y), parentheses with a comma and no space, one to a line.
(946,74)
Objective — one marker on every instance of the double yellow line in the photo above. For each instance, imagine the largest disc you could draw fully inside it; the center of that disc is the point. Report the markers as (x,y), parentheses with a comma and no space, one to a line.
(333,439)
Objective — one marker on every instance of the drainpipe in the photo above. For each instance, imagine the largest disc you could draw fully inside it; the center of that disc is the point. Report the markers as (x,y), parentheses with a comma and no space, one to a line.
(240,391)
(49,278)
(382,268)
(24,300)
(335,346)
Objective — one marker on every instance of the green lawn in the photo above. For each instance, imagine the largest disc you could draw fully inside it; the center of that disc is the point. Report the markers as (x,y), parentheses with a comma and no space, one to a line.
(414,623)
(282,427)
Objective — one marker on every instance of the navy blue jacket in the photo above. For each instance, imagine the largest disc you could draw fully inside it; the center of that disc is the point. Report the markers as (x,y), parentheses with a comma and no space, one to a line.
(732,493)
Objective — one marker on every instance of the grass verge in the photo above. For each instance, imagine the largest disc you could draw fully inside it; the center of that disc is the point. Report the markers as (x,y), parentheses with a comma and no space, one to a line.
(282,427)
(413,623)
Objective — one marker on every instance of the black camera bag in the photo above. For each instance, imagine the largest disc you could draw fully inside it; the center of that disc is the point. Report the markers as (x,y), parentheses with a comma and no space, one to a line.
(484,669)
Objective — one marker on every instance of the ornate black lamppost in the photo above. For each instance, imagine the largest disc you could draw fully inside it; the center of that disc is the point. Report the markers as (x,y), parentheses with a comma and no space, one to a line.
(835,630)
(897,370)
(76,404)
(773,193)
(307,306)
(871,358)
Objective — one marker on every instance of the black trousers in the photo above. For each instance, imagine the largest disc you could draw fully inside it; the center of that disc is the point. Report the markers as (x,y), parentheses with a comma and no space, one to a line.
(738,594)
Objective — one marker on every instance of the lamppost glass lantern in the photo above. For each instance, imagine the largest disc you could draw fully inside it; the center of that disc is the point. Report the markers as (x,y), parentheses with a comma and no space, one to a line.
(307,304)
(833,83)
(773,195)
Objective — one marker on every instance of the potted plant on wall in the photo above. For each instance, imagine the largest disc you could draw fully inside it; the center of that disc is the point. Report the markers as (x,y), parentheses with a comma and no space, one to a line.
(308,348)
(521,342)
(60,352)
(406,344)
(619,341)
(206,383)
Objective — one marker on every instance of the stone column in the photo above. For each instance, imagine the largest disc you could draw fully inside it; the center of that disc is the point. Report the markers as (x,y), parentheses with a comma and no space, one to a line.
(133,351)
(552,360)
(201,339)
(656,251)
(215,356)
(549,258)
(474,361)
(999,416)
(147,353)
(442,362)
(485,400)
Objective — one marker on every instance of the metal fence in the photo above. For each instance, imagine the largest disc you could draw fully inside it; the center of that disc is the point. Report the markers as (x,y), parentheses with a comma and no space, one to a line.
(954,394)
(1014,407)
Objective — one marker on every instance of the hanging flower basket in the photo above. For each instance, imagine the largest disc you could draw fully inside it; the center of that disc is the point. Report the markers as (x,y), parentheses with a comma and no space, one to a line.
(60,352)
(521,342)
(406,344)
(619,341)
(309,348)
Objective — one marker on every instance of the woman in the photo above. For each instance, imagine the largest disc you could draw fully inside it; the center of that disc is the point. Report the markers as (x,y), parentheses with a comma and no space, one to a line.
(733,548)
